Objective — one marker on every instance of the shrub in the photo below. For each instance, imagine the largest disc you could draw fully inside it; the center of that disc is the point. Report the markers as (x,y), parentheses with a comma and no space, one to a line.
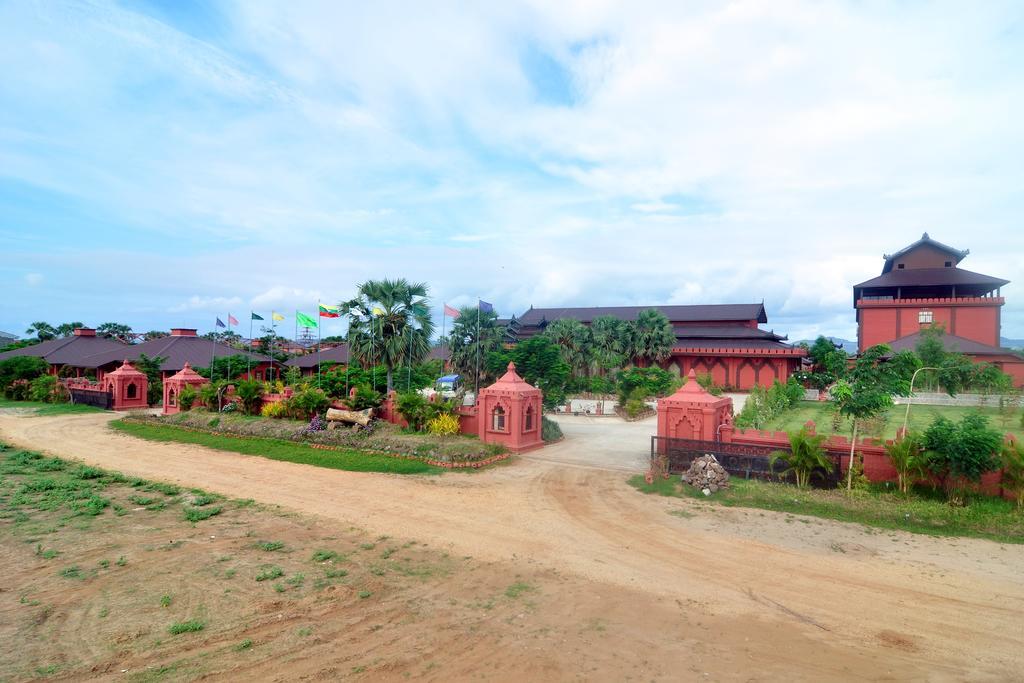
(414,407)
(908,458)
(187,397)
(805,456)
(209,394)
(764,405)
(18,390)
(21,368)
(365,397)
(644,383)
(635,407)
(307,402)
(275,410)
(444,424)
(250,393)
(549,429)
(43,388)
(961,451)
(1012,458)
(707,382)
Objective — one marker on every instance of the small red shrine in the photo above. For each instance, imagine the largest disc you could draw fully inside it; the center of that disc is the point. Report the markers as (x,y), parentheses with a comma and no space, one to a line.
(693,413)
(509,413)
(128,386)
(186,377)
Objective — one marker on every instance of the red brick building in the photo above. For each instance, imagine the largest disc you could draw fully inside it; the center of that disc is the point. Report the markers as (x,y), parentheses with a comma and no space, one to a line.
(723,340)
(922,285)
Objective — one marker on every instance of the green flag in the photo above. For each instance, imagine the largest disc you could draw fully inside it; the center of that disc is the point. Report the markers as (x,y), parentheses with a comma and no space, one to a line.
(257,317)
(304,320)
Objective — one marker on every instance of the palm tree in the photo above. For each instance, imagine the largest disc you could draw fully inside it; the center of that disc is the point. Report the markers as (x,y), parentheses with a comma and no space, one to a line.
(609,341)
(389,324)
(574,342)
(909,459)
(42,331)
(68,329)
(805,455)
(470,343)
(651,336)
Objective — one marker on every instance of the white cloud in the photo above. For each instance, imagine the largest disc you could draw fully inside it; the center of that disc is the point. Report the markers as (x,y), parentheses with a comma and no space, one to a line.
(218,304)
(33,279)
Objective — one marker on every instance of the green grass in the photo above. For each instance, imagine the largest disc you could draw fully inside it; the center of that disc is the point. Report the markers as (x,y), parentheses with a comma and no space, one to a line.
(517,589)
(278,449)
(199,514)
(920,418)
(269,573)
(921,512)
(46,409)
(270,546)
(191,626)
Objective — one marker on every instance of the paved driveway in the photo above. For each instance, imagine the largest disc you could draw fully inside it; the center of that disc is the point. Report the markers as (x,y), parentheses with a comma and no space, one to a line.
(605,442)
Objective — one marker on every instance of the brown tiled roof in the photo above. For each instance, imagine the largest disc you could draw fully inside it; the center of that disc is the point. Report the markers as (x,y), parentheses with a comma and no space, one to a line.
(723,332)
(68,350)
(726,343)
(930,277)
(336,354)
(676,314)
(958,254)
(177,351)
(953,343)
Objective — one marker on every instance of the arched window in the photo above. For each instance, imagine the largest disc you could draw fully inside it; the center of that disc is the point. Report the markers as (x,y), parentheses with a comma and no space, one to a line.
(130,391)
(171,398)
(528,419)
(498,419)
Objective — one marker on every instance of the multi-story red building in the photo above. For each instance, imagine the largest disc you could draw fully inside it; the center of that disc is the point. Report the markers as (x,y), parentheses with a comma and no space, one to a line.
(922,285)
(723,340)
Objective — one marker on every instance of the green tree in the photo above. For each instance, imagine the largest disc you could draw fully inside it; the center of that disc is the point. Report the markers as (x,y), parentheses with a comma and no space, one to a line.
(574,342)
(154,376)
(389,324)
(250,393)
(651,337)
(118,331)
(225,367)
(21,367)
(154,334)
(610,343)
(805,456)
(470,342)
(828,363)
(68,329)
(867,391)
(538,361)
(42,330)
(963,451)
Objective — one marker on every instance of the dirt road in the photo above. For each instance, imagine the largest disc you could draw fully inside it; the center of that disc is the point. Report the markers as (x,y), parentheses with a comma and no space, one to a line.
(837,600)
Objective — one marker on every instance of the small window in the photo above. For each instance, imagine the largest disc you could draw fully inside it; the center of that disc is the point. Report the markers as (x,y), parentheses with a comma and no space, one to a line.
(949,264)
(130,391)
(528,420)
(498,419)
(900,266)
(924,317)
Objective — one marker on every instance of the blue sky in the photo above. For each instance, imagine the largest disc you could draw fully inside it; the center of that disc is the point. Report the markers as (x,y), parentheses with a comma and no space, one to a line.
(162,163)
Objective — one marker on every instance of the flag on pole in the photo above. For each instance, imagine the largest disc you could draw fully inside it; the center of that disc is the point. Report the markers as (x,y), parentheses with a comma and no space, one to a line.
(274,315)
(329,311)
(220,323)
(232,320)
(304,320)
(485,307)
(451,312)
(256,317)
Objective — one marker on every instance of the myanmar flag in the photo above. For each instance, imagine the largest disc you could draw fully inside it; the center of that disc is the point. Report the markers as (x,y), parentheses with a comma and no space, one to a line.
(329,311)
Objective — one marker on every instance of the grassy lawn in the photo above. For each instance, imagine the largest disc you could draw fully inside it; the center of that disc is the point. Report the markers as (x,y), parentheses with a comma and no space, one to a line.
(920,418)
(43,409)
(278,449)
(922,512)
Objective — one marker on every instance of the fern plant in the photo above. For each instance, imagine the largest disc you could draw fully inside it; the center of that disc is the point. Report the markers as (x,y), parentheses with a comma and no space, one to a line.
(1012,457)
(806,455)
(909,459)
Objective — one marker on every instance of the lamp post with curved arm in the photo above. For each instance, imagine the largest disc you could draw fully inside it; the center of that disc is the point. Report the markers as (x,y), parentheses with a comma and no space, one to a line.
(906,416)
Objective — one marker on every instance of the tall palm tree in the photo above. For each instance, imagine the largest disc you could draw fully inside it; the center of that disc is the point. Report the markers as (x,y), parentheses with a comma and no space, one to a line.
(610,342)
(42,331)
(574,342)
(68,329)
(651,336)
(470,343)
(389,324)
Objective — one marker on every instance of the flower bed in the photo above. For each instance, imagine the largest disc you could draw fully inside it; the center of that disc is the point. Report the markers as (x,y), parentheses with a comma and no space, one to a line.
(381,438)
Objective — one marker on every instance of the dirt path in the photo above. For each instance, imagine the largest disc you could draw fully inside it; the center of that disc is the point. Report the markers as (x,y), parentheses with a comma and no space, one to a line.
(877,603)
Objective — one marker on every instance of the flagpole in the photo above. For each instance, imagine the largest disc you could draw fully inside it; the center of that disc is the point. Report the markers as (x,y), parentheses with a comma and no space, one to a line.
(476,394)
(273,335)
(318,323)
(213,350)
(248,359)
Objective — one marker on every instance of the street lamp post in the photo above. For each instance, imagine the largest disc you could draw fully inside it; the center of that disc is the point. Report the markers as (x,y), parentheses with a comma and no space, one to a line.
(906,415)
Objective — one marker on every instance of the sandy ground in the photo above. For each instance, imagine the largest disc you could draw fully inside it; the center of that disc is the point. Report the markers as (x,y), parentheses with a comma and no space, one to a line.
(756,595)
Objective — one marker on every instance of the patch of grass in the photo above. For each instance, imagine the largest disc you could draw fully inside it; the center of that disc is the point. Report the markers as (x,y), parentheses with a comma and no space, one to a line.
(72,572)
(270,546)
(305,631)
(49,670)
(325,556)
(269,573)
(678,512)
(279,449)
(335,573)
(121,561)
(199,514)
(364,594)
(47,409)
(922,511)
(166,600)
(201,499)
(368,546)
(296,581)
(144,501)
(47,554)
(517,589)
(191,626)
(244,645)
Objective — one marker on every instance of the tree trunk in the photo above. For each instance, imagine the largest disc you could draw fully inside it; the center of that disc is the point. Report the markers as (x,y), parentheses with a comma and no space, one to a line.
(849,467)
(390,380)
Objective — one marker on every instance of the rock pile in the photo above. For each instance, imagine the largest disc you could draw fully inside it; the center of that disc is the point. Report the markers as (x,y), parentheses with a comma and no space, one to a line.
(706,474)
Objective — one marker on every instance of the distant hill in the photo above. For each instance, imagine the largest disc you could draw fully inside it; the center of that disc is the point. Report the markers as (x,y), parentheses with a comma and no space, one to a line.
(1011,343)
(846,344)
